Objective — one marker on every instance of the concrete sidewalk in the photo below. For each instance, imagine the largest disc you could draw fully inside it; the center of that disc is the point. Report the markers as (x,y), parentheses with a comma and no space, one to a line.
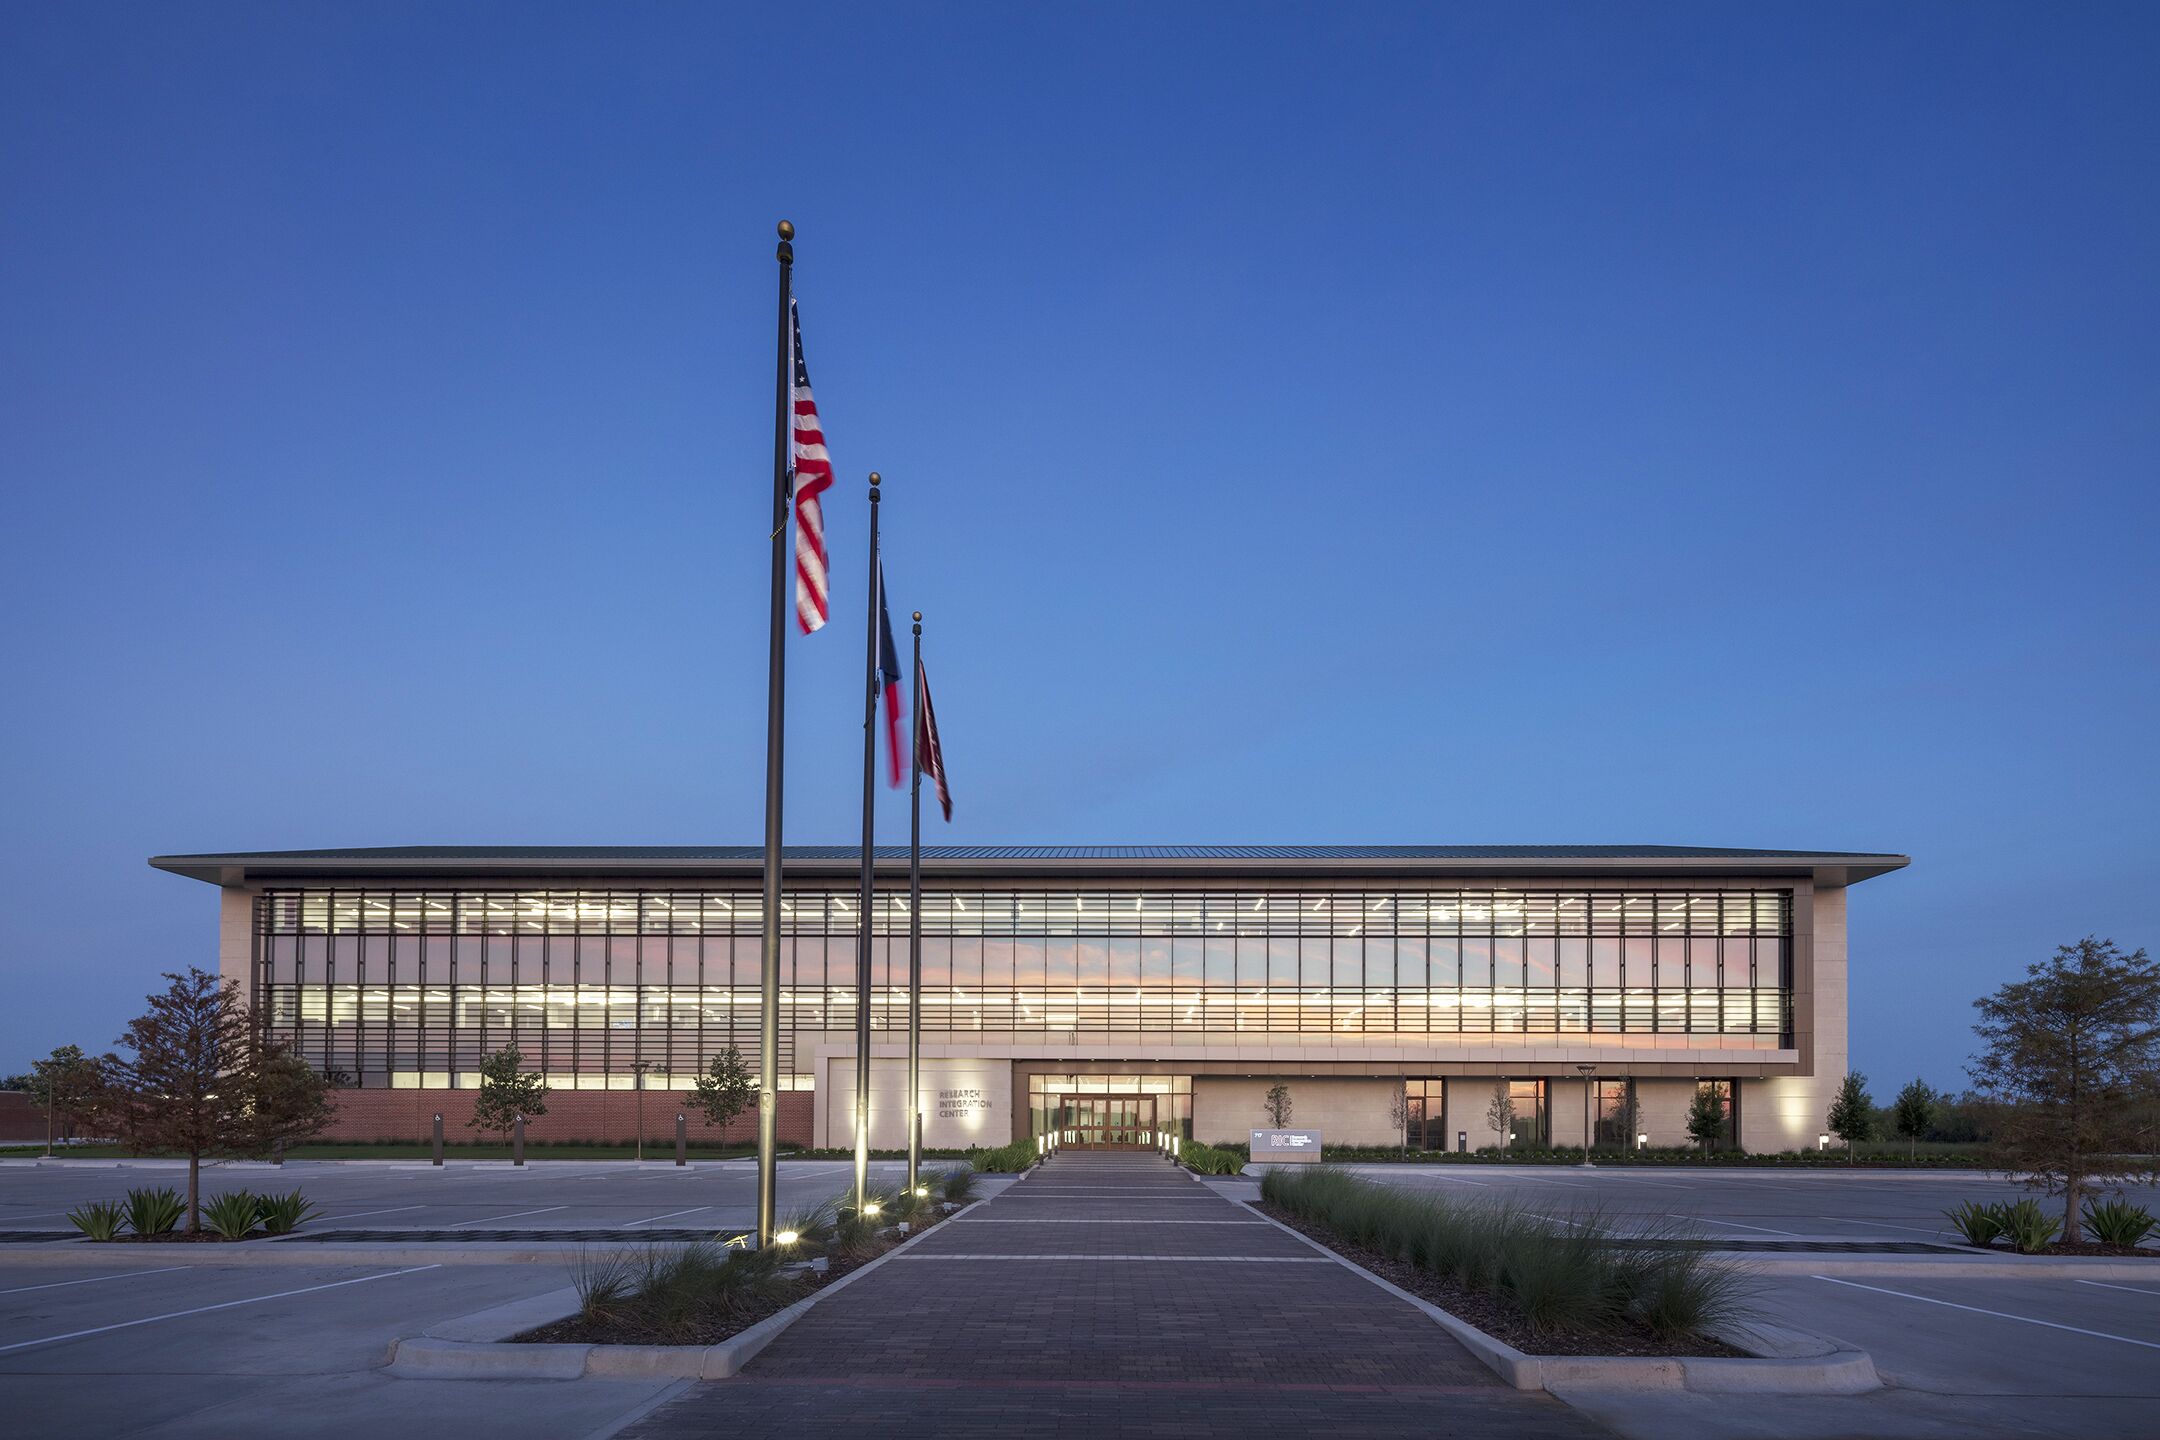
(1111,1293)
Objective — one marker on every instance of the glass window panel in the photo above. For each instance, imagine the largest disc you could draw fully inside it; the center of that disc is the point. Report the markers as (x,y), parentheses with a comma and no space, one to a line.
(1574,962)
(1221,965)
(1094,958)
(1541,962)
(1507,963)
(1282,966)
(1349,966)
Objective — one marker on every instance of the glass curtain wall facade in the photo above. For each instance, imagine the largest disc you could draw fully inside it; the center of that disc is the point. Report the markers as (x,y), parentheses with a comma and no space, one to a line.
(412,986)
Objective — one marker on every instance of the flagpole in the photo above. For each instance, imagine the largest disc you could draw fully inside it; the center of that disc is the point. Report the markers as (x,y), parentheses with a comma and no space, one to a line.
(914,910)
(869,819)
(775,736)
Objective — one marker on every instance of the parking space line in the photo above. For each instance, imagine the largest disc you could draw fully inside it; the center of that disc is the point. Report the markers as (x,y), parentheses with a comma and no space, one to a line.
(669,1216)
(1998,1314)
(1734,1223)
(462,1224)
(1882,1224)
(206,1309)
(94,1279)
(355,1215)
(2133,1289)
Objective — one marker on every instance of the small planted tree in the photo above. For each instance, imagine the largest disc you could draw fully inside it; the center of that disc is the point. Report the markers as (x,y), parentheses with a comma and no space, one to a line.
(1399,1113)
(1913,1112)
(198,1081)
(1631,1114)
(1706,1114)
(725,1090)
(1500,1114)
(2071,1055)
(66,1084)
(1852,1113)
(506,1092)
(1276,1104)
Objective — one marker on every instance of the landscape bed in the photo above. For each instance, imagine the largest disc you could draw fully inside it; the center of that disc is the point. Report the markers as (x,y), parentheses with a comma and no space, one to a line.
(706,1293)
(1541,1286)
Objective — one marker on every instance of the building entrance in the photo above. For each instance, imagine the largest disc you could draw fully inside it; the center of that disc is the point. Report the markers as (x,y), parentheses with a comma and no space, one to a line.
(1107,1122)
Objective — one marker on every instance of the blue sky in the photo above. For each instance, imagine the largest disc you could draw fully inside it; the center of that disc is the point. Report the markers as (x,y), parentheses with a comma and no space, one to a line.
(1690,424)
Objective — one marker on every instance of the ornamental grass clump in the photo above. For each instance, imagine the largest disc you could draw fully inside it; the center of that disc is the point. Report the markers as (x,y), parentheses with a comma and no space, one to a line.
(101,1220)
(283,1214)
(1980,1224)
(2030,1228)
(1571,1276)
(233,1215)
(2118,1222)
(676,1293)
(1203,1159)
(957,1185)
(154,1212)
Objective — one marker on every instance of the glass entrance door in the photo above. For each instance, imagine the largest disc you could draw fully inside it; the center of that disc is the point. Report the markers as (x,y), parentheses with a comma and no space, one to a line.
(1107,1122)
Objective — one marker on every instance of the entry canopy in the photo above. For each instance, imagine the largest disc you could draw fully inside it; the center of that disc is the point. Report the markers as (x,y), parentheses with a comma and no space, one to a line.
(564,863)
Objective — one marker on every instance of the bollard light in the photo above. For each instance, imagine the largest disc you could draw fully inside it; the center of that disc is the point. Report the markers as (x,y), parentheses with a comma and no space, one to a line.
(1822,1141)
(1641,1140)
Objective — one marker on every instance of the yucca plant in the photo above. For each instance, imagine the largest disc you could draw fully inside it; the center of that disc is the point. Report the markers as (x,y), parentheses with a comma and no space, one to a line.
(232,1216)
(283,1214)
(154,1212)
(2029,1227)
(1980,1224)
(100,1220)
(2118,1222)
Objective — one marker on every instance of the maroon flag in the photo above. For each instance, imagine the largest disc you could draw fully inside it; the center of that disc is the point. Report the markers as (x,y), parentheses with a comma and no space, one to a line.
(929,755)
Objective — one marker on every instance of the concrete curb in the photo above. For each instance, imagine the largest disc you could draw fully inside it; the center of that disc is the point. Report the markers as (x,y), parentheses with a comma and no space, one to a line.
(456,1349)
(1828,1371)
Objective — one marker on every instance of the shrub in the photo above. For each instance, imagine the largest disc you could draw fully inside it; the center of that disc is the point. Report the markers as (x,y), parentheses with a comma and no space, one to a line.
(1210,1159)
(2029,1227)
(1979,1224)
(233,1214)
(283,1214)
(154,1212)
(1578,1276)
(2118,1222)
(958,1184)
(1004,1159)
(99,1221)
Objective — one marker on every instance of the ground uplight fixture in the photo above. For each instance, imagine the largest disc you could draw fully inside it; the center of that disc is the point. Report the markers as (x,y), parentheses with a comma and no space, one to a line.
(922,1192)
(787,1237)
(870,1207)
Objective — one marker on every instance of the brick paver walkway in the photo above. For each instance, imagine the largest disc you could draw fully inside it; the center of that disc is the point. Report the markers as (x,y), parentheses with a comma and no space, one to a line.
(1111,1294)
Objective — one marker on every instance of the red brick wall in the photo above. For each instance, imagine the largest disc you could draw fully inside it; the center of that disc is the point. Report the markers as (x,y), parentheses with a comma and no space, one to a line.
(21,1118)
(571,1115)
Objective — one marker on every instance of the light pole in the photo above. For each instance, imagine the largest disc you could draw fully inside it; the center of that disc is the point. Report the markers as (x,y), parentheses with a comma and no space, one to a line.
(1587,1072)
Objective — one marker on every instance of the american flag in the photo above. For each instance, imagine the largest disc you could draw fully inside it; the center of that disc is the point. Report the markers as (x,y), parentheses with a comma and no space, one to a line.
(888,682)
(929,755)
(810,475)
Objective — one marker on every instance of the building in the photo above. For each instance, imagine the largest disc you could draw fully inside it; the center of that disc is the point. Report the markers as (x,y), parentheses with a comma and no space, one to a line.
(1107,991)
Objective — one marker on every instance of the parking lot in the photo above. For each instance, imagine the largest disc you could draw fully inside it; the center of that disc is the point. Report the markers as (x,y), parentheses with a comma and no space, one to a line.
(180,1342)
(406,1195)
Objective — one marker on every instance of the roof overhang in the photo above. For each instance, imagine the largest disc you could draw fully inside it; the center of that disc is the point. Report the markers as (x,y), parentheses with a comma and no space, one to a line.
(618,864)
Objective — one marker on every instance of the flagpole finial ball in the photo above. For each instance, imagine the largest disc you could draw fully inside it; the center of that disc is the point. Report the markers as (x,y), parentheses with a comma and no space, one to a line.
(787,230)
(874,480)
(918,617)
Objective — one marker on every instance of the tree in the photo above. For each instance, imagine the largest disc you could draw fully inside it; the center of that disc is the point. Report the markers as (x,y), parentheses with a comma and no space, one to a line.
(66,1083)
(200,1080)
(1399,1112)
(2071,1055)
(1852,1113)
(1706,1114)
(1276,1104)
(1631,1114)
(1500,1114)
(506,1092)
(725,1090)
(1913,1112)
